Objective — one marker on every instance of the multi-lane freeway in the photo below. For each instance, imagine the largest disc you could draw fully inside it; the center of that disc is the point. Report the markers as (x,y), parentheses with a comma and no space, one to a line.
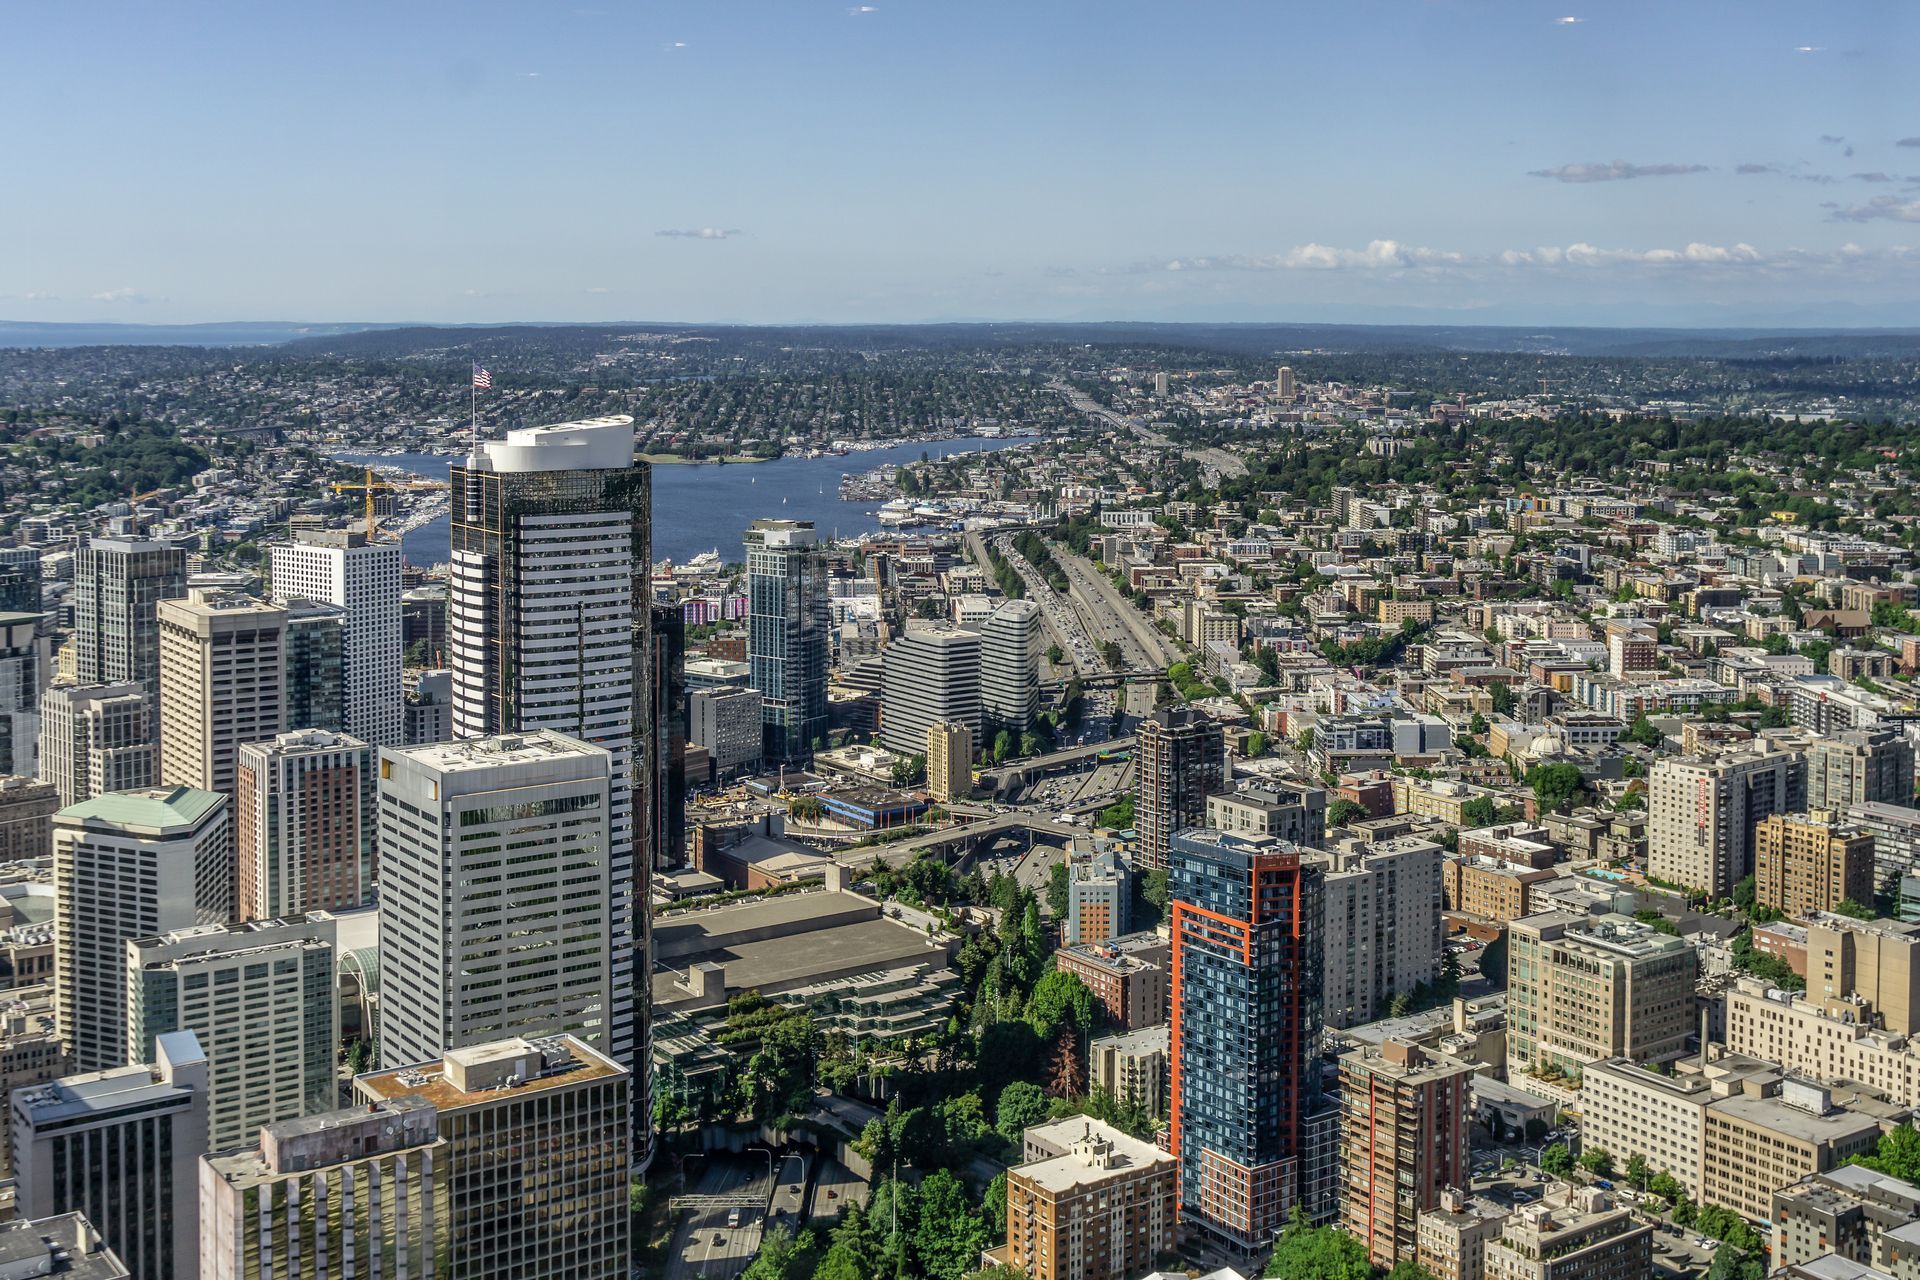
(722,1215)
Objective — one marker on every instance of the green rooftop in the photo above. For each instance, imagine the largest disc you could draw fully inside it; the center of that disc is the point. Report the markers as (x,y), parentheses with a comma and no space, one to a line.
(148,810)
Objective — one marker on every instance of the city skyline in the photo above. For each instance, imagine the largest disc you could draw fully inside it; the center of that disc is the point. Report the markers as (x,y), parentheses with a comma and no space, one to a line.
(1631,163)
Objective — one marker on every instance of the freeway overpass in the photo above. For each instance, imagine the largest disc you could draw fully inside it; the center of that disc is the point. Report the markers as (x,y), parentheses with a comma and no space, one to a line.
(1018,773)
(957,840)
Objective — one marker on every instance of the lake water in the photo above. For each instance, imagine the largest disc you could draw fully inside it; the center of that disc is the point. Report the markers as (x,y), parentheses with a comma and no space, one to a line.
(701,508)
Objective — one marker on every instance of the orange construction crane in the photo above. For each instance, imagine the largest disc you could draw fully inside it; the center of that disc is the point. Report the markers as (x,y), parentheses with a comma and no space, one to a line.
(373,484)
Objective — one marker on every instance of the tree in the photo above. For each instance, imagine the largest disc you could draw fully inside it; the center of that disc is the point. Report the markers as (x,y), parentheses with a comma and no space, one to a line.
(1061,1003)
(1493,960)
(1645,733)
(1683,1210)
(994,1205)
(1408,1269)
(950,1234)
(1666,1186)
(1555,1160)
(1066,1076)
(1597,1161)
(782,1256)
(1639,1172)
(1022,1104)
(1556,785)
(1743,894)
(1256,744)
(1848,907)
(1735,1264)
(1479,812)
(1343,811)
(1318,1253)
(1898,1154)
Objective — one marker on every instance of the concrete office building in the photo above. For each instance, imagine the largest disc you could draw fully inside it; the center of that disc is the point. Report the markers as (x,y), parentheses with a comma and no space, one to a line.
(477,940)
(1292,811)
(65,1244)
(260,999)
(1132,1067)
(1010,649)
(1860,766)
(120,1146)
(1807,862)
(1582,988)
(931,676)
(222,683)
(1572,1233)
(27,807)
(354,1194)
(1246,990)
(26,664)
(538,1155)
(303,825)
(1403,1139)
(1776,1132)
(949,748)
(727,721)
(340,567)
(1702,812)
(127,865)
(788,626)
(1871,965)
(1181,756)
(97,738)
(1628,1108)
(1383,934)
(118,584)
(1103,1208)
(548,629)
(316,666)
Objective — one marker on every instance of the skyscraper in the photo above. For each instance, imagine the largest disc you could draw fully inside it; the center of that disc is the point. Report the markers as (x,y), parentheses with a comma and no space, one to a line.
(549,628)
(1246,1013)
(669,722)
(931,676)
(303,823)
(1701,813)
(477,940)
(97,738)
(20,580)
(1283,385)
(1403,1139)
(222,683)
(949,762)
(260,998)
(1182,757)
(127,865)
(316,666)
(117,584)
(24,675)
(787,634)
(1010,651)
(339,566)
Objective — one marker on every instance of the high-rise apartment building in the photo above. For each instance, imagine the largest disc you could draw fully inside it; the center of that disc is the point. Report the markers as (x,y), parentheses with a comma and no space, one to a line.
(1383,932)
(787,632)
(260,998)
(726,721)
(949,748)
(1102,1208)
(1583,988)
(303,824)
(1806,862)
(1099,898)
(1292,811)
(1403,1140)
(1283,388)
(1181,756)
(316,666)
(931,676)
(1572,1233)
(548,629)
(538,1154)
(1860,766)
(1246,994)
(97,738)
(1010,649)
(120,1146)
(25,671)
(494,901)
(1868,969)
(340,567)
(222,683)
(1701,812)
(126,865)
(354,1194)
(118,584)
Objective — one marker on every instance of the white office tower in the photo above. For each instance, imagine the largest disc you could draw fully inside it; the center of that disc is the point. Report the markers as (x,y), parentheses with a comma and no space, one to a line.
(787,625)
(1010,649)
(121,1147)
(117,585)
(549,628)
(303,824)
(494,896)
(95,739)
(261,1000)
(126,865)
(222,682)
(341,567)
(931,676)
(25,670)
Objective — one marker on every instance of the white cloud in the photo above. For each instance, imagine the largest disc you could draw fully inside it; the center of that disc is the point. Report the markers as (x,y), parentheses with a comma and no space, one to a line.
(1393,256)
(1568,21)
(1880,209)
(859,9)
(1808,48)
(701,233)
(1615,171)
(122,294)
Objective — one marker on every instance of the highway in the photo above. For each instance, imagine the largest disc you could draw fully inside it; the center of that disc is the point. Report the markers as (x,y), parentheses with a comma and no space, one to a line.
(1097,706)
(977,549)
(1214,463)
(704,1247)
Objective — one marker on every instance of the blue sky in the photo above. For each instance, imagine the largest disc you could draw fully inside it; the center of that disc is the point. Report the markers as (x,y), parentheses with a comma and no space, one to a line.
(1684,161)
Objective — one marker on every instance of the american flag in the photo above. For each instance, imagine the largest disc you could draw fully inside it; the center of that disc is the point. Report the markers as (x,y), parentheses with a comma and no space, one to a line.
(482,380)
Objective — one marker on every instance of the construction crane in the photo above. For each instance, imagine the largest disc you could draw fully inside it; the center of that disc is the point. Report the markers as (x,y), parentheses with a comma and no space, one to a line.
(134,522)
(373,484)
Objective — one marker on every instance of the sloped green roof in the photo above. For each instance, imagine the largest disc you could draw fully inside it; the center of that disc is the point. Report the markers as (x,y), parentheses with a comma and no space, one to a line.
(149,809)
